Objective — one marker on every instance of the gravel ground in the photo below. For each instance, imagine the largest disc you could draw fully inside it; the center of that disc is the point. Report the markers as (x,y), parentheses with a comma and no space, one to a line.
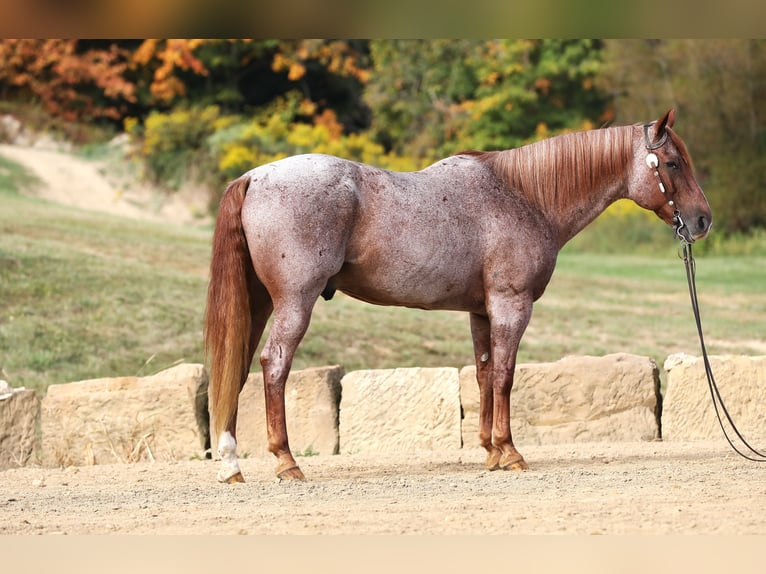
(593,488)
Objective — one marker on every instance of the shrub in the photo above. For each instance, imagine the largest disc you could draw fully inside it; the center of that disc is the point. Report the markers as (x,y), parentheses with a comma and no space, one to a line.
(174,144)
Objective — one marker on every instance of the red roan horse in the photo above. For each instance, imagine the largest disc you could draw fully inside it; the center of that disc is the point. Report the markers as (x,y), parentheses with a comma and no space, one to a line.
(475,232)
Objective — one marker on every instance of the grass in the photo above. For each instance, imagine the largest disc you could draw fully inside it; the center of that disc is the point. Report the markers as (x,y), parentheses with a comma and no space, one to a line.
(85,295)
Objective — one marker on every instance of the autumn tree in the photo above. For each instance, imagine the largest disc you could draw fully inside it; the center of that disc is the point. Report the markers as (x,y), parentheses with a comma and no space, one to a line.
(435,97)
(719,90)
(69,81)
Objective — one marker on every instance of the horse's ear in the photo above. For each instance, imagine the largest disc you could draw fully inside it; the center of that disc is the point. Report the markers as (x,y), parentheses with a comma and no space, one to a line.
(667,121)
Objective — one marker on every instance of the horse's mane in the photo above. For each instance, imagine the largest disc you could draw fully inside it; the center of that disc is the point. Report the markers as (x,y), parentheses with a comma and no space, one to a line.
(560,171)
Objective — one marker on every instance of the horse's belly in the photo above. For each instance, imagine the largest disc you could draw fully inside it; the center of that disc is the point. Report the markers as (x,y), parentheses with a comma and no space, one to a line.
(451,285)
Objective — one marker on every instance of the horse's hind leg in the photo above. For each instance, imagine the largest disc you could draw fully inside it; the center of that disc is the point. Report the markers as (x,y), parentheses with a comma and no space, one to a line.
(291,320)
(260,307)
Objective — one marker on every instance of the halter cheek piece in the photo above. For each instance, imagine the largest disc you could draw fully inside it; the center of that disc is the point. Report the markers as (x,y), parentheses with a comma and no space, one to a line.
(653,162)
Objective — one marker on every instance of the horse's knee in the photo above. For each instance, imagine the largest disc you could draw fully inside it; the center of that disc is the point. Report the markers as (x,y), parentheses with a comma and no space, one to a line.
(502,379)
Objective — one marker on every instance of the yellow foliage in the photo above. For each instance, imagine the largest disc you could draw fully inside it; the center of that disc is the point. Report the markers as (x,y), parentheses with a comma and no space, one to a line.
(307,107)
(235,158)
(624,208)
(541,131)
(130,125)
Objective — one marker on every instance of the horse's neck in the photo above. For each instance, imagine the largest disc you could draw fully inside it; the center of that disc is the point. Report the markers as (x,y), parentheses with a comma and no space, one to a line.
(570,220)
(572,179)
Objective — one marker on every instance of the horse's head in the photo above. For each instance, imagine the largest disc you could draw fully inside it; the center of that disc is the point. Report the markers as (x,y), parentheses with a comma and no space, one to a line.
(663,181)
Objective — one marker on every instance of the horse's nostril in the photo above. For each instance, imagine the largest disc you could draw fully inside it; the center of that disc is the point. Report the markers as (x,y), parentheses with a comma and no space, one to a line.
(702,223)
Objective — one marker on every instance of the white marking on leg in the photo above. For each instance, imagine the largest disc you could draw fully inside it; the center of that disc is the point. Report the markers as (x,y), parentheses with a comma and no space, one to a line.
(227,450)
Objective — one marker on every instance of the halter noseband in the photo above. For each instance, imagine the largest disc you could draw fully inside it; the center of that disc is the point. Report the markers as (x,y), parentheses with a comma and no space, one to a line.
(653,162)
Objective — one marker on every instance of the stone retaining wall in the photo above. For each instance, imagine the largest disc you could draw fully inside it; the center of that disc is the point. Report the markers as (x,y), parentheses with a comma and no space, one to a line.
(576,399)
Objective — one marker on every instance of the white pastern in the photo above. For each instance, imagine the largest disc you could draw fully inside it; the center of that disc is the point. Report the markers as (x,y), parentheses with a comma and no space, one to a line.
(227,450)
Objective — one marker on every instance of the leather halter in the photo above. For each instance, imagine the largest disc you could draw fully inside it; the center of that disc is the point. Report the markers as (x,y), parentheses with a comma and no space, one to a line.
(653,162)
(648,142)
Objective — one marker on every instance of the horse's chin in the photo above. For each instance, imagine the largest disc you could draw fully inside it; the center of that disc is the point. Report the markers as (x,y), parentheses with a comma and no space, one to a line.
(684,235)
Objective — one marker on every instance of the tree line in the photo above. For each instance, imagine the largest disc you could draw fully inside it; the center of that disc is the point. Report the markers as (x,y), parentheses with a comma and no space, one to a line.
(223,105)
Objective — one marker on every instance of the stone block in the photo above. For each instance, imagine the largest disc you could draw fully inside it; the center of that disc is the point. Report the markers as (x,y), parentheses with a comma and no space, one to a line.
(688,412)
(312,397)
(575,399)
(127,419)
(400,410)
(19,412)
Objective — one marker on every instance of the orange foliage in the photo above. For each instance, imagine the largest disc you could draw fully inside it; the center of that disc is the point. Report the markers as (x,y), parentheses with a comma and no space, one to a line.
(171,55)
(55,73)
(335,55)
(329,120)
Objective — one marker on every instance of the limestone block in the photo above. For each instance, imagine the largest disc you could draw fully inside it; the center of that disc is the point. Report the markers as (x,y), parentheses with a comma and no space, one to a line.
(400,410)
(19,411)
(126,419)
(575,399)
(688,412)
(312,397)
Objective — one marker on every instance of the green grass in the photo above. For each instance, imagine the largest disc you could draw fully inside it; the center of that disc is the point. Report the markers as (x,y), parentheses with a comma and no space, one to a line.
(85,295)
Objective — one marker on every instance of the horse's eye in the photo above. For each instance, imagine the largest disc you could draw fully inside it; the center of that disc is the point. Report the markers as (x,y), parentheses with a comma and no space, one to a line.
(671,165)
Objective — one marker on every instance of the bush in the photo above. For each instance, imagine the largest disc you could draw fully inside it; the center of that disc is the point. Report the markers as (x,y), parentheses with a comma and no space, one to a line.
(174,144)
(278,131)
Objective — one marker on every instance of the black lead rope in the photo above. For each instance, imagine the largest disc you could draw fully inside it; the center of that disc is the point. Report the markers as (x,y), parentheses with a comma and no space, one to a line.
(715,394)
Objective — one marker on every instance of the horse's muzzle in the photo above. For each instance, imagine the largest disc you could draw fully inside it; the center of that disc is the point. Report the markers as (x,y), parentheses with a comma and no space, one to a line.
(694,228)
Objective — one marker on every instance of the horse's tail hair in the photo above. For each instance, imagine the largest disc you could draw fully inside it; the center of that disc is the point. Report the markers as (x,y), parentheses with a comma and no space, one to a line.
(228,320)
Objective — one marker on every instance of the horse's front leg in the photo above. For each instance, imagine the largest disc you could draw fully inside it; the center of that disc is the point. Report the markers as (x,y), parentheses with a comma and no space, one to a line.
(480,332)
(509,318)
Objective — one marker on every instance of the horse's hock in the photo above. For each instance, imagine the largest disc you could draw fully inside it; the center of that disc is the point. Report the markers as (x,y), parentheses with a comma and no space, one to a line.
(160,417)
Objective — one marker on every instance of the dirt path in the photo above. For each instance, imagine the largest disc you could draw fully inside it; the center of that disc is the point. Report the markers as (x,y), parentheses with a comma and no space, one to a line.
(104,186)
(639,488)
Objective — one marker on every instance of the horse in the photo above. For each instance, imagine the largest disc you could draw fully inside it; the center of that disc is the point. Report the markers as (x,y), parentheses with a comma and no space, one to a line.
(477,232)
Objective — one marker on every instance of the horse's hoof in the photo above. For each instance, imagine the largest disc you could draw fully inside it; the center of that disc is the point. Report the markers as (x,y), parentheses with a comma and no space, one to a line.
(292,473)
(513,462)
(234,478)
(493,460)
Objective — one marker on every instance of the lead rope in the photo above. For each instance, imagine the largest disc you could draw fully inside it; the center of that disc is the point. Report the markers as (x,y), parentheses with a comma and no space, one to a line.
(652,161)
(691,269)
